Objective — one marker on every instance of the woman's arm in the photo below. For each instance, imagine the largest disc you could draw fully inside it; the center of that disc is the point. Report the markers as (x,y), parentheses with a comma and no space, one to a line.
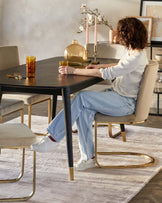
(91,70)
(79,71)
(91,66)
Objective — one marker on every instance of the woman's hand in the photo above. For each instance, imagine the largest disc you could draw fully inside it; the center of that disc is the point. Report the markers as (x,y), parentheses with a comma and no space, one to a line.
(66,70)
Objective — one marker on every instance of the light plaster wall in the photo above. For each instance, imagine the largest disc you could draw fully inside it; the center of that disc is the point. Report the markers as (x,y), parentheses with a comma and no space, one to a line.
(0,21)
(45,27)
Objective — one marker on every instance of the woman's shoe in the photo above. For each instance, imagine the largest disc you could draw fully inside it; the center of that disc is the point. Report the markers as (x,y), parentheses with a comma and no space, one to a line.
(45,145)
(83,165)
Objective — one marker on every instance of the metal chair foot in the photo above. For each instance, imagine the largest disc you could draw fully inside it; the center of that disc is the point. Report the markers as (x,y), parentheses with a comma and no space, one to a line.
(148,163)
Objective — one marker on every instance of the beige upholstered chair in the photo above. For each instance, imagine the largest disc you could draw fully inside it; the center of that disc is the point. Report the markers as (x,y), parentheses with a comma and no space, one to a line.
(11,54)
(140,115)
(16,136)
(8,106)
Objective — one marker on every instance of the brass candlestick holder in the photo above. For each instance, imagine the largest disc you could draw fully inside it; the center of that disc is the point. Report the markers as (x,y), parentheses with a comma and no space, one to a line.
(95,55)
(87,48)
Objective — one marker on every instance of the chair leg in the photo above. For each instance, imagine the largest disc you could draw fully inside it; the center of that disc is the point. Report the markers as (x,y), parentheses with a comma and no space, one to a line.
(22,115)
(110,131)
(122,127)
(29,115)
(150,159)
(0,122)
(21,173)
(71,96)
(34,186)
(49,110)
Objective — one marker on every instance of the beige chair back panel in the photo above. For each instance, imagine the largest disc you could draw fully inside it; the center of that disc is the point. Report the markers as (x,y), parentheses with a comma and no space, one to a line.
(9,57)
(146,91)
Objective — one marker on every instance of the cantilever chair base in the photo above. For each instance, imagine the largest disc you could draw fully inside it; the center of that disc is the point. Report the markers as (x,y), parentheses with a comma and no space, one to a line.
(149,163)
(21,173)
(150,159)
(15,136)
(25,198)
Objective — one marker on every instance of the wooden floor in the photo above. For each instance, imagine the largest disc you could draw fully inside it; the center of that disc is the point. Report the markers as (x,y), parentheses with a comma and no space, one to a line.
(152,192)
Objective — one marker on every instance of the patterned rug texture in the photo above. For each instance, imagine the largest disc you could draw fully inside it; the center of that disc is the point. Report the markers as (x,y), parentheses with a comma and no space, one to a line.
(93,185)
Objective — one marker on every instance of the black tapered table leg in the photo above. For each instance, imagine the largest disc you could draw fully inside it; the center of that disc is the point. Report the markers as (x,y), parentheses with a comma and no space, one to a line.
(0,94)
(122,127)
(157,104)
(151,53)
(68,127)
(54,100)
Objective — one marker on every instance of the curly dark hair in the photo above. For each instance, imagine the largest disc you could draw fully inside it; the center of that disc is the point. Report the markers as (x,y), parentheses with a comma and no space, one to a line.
(132,32)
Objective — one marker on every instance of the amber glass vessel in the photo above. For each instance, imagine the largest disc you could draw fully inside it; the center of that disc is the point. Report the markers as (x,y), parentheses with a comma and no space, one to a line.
(30,66)
(75,53)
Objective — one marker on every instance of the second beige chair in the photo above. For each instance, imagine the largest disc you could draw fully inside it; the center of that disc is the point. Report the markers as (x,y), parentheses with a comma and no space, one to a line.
(17,136)
(9,106)
(141,114)
(9,57)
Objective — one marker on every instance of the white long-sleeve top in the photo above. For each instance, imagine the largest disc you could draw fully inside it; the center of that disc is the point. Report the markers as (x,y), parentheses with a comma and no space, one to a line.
(128,73)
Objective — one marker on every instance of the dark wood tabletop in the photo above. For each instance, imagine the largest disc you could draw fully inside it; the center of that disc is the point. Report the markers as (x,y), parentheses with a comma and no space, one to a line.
(47,79)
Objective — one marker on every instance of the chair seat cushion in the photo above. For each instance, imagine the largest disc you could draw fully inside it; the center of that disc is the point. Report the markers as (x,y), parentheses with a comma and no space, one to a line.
(114,119)
(8,106)
(28,98)
(16,135)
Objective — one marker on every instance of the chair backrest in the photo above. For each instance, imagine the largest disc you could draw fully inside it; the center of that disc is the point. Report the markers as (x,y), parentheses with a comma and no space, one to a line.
(9,57)
(146,90)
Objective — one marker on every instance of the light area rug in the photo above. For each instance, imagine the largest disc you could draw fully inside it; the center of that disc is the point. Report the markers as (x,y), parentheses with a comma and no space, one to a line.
(93,185)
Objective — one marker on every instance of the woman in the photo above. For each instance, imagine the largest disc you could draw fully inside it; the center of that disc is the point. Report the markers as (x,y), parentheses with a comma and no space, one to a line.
(120,100)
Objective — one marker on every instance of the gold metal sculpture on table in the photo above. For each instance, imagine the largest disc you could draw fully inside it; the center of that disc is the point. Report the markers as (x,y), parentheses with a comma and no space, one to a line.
(75,54)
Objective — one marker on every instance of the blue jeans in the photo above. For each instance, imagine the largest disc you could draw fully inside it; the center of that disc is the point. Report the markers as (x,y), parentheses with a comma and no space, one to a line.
(84,106)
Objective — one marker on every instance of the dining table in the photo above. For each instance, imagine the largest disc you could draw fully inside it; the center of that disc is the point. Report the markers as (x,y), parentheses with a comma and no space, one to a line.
(47,80)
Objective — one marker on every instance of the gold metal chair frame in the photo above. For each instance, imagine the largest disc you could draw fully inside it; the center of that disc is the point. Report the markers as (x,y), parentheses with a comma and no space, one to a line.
(110,125)
(30,113)
(14,199)
(116,134)
(21,113)
(148,163)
